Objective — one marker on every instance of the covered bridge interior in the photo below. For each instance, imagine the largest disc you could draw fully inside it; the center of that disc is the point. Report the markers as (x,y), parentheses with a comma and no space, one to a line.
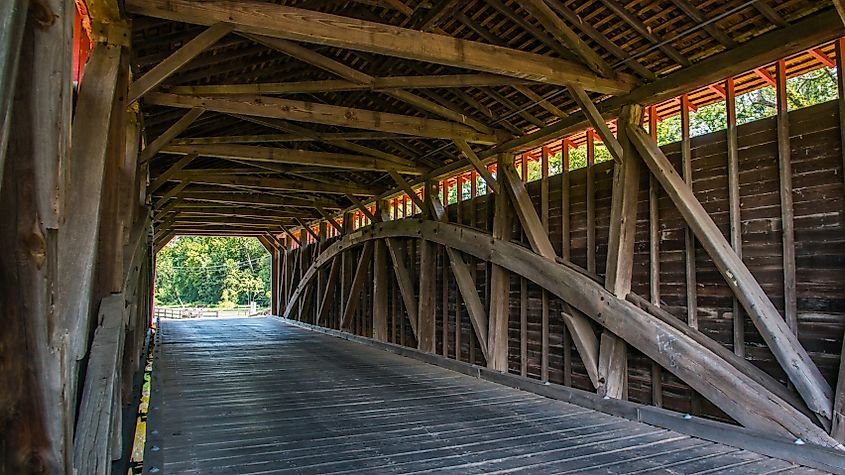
(414,169)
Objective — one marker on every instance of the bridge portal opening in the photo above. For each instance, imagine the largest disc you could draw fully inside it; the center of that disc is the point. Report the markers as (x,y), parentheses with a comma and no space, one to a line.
(212,276)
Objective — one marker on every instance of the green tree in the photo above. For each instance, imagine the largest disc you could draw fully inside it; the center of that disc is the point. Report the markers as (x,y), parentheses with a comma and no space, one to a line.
(201,270)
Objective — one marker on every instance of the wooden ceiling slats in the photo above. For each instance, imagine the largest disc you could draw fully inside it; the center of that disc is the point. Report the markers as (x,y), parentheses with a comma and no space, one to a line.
(624,34)
(290,23)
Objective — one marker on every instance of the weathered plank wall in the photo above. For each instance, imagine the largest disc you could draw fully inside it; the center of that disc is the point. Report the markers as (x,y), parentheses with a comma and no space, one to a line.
(819,206)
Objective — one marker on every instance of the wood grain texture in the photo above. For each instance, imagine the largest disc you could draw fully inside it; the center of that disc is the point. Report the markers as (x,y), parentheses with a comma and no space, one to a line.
(411,417)
(748,402)
(342,32)
(302,111)
(782,342)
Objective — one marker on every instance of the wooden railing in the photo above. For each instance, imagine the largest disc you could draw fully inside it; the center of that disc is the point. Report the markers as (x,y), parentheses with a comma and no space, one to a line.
(198,312)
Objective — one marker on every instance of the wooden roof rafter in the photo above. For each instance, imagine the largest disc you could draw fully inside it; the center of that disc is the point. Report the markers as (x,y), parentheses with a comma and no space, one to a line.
(305,25)
(527,109)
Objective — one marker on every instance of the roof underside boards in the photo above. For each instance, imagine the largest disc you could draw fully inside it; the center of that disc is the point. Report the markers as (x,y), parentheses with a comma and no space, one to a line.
(313,122)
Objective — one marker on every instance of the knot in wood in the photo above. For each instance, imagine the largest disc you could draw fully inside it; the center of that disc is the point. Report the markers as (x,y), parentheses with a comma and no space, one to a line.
(42,15)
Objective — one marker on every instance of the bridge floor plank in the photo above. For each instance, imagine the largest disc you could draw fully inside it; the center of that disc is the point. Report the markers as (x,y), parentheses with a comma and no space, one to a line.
(259,396)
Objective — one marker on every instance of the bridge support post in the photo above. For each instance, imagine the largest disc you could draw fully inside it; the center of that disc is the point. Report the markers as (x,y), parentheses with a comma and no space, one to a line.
(613,354)
(497,335)
(426,327)
(380,273)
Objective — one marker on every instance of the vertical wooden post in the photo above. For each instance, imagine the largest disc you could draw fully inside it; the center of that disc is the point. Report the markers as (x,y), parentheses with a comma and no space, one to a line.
(13,15)
(473,192)
(458,299)
(789,352)
(654,258)
(274,280)
(620,254)
(523,326)
(354,299)
(304,253)
(790,299)
(689,238)
(81,211)
(566,250)
(319,247)
(444,302)
(544,295)
(346,264)
(623,210)
(39,373)
(837,430)
(426,327)
(734,211)
(380,270)
(591,202)
(500,277)
(110,246)
(394,311)
(840,83)
(444,294)
(285,277)
(523,282)
(329,293)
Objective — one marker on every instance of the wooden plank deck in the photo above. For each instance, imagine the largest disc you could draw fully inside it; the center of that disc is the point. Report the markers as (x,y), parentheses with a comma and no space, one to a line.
(259,396)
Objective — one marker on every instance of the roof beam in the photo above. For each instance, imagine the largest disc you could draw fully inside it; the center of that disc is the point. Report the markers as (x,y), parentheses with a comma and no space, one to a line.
(565,36)
(219,230)
(179,58)
(328,217)
(372,84)
(166,175)
(342,32)
(482,170)
(279,184)
(840,8)
(248,221)
(542,102)
(292,137)
(356,76)
(171,193)
(290,235)
(800,36)
(301,111)
(594,116)
(343,143)
(239,197)
(253,153)
(308,229)
(171,133)
(711,28)
(408,190)
(645,31)
(242,211)
(602,40)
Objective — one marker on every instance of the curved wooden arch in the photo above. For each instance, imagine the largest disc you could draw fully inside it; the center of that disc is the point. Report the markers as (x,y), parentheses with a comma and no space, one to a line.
(733,391)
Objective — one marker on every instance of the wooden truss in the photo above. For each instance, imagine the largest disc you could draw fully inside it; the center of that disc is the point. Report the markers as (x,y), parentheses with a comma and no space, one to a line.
(735,389)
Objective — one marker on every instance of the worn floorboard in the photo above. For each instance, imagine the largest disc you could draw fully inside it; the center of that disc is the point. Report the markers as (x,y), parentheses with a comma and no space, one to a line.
(259,396)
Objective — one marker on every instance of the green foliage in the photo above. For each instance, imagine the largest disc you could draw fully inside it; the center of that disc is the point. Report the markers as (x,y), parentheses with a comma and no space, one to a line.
(212,271)
(805,90)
